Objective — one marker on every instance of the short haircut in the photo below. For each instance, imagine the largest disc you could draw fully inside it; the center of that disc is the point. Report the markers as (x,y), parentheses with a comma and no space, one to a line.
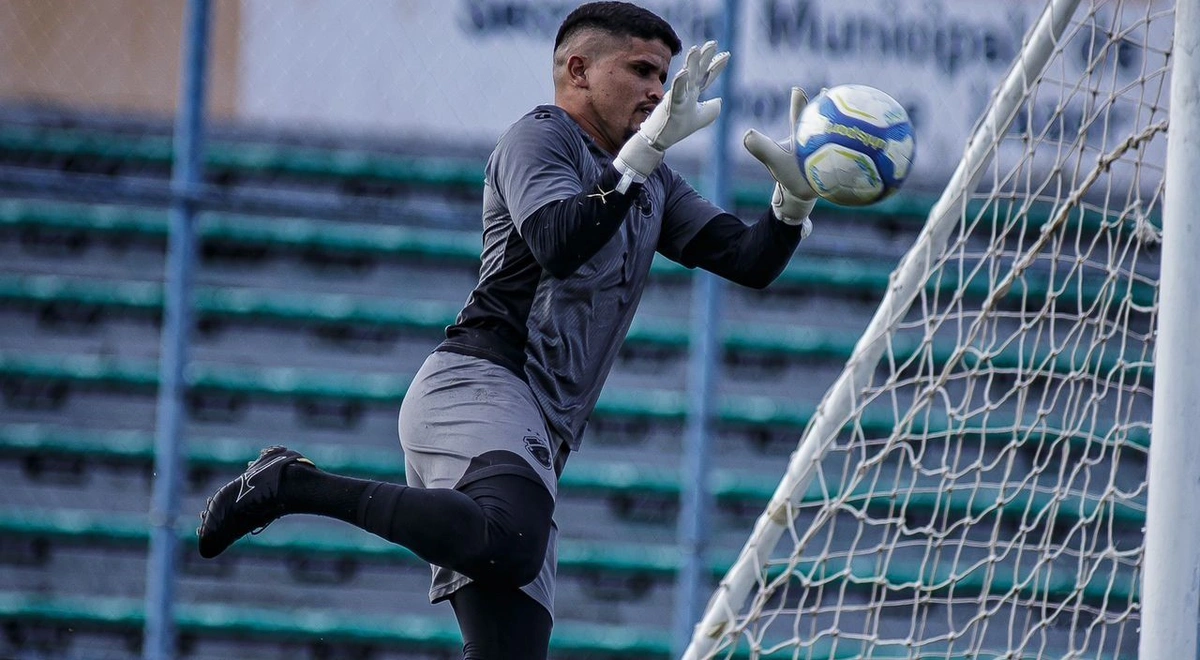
(620,19)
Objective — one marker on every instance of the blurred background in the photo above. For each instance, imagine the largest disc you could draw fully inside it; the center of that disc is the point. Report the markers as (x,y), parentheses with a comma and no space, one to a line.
(337,157)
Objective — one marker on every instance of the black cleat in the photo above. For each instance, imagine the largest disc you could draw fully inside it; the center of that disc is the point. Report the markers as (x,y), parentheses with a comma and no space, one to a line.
(247,504)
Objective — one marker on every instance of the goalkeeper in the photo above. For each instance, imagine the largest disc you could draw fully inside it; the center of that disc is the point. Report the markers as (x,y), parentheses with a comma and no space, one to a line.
(576,203)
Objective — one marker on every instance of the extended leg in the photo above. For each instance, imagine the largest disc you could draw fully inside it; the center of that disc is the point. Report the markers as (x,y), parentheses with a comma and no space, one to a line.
(493,527)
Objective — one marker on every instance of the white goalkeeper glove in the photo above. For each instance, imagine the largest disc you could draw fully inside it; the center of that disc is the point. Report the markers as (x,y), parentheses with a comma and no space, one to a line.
(793,198)
(678,115)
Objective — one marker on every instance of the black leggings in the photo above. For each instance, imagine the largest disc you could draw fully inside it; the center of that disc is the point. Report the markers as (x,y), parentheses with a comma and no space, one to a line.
(494,529)
(500,623)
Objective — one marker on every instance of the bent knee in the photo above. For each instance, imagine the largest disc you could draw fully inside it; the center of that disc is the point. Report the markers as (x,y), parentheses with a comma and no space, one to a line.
(518,512)
(511,564)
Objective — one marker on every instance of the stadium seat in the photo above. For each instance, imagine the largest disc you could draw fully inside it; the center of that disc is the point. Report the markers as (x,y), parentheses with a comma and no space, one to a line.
(226,158)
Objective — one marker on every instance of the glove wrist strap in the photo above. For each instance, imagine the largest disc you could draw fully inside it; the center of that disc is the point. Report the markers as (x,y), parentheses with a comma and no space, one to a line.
(790,209)
(629,176)
(636,161)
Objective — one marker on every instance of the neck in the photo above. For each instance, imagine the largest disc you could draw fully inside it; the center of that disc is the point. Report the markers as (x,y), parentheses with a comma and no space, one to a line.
(592,128)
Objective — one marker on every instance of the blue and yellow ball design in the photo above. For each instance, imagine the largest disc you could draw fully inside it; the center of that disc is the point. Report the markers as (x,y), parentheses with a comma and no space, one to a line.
(854,144)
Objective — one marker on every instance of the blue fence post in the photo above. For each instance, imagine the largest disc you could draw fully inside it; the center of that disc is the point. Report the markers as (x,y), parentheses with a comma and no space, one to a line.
(704,361)
(187,170)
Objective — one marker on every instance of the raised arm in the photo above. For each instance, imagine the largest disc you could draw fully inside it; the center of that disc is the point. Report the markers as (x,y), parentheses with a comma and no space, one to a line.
(754,255)
(563,234)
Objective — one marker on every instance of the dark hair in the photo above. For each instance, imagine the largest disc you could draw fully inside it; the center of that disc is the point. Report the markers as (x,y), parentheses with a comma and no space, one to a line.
(621,19)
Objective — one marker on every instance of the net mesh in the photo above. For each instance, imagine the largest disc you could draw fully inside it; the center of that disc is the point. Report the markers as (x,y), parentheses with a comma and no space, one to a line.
(985,497)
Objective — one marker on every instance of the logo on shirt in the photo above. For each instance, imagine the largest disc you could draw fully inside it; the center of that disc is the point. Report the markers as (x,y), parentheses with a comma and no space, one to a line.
(539,450)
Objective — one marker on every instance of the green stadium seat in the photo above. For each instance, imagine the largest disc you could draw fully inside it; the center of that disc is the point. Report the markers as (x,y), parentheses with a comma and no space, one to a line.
(229,455)
(283,383)
(123,530)
(608,479)
(300,625)
(828,274)
(823,275)
(225,157)
(660,562)
(777,342)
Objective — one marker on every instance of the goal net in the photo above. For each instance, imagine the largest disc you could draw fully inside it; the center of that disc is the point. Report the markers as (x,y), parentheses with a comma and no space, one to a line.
(974,484)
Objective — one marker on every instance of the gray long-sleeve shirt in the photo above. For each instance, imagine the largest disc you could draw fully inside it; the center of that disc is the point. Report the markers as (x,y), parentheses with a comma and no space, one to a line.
(560,329)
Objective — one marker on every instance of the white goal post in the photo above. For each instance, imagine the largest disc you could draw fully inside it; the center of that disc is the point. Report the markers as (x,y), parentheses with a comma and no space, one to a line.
(974,484)
(1171,580)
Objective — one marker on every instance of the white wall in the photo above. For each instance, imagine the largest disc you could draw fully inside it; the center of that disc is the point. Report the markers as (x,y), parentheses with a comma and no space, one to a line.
(465,69)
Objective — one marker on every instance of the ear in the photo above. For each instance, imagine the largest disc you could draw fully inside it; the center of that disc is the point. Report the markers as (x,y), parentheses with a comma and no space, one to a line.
(577,70)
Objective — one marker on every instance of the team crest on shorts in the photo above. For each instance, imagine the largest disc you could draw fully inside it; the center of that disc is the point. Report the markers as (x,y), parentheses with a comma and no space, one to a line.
(538,449)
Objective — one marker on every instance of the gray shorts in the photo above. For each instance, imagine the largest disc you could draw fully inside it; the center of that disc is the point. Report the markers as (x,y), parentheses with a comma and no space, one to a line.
(457,408)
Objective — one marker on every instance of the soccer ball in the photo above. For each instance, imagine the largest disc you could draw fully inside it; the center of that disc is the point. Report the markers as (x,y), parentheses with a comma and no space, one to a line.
(854,145)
